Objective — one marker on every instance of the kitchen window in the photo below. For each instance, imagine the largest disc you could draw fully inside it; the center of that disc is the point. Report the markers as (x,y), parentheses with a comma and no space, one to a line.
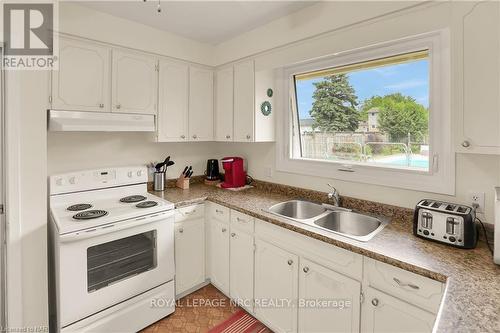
(378,115)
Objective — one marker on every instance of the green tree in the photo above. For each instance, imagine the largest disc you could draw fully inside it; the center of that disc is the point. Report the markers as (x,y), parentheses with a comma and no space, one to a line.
(398,116)
(334,107)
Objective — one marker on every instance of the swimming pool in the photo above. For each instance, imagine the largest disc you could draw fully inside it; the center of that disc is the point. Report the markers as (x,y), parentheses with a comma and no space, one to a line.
(416,161)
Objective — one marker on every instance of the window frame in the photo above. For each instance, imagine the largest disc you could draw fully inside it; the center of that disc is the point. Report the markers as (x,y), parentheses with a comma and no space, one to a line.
(440,178)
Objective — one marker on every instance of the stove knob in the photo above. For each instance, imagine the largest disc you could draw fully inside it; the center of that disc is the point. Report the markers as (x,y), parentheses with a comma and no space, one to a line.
(139,173)
(130,174)
(59,181)
(72,180)
(452,239)
(426,232)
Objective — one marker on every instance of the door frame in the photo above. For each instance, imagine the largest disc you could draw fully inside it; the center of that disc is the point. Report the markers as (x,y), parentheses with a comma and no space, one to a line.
(3,228)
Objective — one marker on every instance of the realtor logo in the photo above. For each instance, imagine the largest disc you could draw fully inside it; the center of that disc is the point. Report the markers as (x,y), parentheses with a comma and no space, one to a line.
(29,35)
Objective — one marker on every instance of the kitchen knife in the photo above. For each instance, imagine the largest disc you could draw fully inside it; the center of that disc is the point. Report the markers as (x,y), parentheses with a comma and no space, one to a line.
(185,170)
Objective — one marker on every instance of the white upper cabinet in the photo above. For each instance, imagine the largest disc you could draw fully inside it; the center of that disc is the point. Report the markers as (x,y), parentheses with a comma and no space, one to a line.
(320,283)
(224,104)
(82,81)
(173,101)
(201,93)
(244,98)
(479,88)
(135,82)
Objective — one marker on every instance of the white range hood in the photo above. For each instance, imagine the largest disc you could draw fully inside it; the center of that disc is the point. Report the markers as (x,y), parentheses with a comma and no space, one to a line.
(62,120)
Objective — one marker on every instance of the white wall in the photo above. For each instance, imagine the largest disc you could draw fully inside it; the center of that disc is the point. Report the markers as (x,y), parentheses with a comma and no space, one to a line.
(85,22)
(473,172)
(78,151)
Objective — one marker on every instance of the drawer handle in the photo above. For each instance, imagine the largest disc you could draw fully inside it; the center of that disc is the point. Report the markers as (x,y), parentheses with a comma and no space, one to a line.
(240,220)
(306,269)
(375,301)
(219,211)
(402,284)
(181,230)
(233,234)
(290,262)
(190,213)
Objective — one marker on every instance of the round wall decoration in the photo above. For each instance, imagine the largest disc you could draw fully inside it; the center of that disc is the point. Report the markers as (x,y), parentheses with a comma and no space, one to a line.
(269,92)
(266,108)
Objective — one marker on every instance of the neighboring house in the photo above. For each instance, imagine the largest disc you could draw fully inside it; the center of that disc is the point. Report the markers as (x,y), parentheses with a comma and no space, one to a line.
(362,127)
(373,120)
(306,126)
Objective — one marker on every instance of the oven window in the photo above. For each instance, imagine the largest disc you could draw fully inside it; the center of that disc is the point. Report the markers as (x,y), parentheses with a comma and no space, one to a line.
(111,262)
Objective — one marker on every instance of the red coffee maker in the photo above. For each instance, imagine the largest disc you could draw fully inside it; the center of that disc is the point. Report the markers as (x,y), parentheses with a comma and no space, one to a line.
(234,173)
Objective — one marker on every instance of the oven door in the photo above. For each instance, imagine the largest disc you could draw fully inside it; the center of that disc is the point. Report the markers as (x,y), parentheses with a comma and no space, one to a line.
(102,267)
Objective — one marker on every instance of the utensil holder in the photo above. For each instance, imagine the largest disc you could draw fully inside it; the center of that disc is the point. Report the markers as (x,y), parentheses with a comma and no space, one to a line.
(182,183)
(159,181)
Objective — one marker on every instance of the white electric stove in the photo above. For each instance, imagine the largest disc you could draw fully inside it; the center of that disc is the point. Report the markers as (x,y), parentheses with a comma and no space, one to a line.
(112,251)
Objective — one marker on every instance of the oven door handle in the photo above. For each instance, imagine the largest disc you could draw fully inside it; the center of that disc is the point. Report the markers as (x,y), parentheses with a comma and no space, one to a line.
(114,227)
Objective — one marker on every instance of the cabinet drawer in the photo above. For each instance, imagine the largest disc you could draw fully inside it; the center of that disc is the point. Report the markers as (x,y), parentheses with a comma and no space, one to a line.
(218,212)
(242,221)
(413,288)
(189,213)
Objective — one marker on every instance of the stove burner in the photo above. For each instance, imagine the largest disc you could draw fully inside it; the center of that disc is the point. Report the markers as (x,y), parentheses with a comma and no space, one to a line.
(90,214)
(133,198)
(146,204)
(77,207)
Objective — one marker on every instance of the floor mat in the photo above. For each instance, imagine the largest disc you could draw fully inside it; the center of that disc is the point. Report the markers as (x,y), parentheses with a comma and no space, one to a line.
(240,322)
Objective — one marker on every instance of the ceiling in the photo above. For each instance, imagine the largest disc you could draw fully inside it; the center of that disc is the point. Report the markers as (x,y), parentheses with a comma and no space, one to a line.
(210,22)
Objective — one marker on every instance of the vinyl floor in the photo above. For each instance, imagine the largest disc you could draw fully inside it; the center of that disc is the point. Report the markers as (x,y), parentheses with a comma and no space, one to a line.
(196,313)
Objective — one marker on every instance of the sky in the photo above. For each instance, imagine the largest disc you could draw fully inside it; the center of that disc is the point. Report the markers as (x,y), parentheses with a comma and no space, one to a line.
(411,79)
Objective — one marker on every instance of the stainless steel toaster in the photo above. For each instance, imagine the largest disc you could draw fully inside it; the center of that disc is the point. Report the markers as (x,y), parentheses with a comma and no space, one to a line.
(445,222)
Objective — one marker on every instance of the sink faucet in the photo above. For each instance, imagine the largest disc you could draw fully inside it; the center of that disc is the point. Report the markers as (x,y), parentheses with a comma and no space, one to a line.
(334,195)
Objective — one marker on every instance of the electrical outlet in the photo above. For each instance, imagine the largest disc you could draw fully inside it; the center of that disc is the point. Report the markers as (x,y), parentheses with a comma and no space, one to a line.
(268,171)
(477,198)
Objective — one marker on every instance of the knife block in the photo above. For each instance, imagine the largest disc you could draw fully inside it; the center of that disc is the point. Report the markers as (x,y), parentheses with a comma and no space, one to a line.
(182,183)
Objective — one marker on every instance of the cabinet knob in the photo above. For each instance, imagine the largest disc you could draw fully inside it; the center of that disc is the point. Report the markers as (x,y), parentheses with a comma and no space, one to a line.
(224,229)
(183,136)
(290,262)
(181,230)
(118,106)
(101,105)
(306,269)
(248,136)
(233,234)
(194,136)
(228,136)
(375,301)
(466,144)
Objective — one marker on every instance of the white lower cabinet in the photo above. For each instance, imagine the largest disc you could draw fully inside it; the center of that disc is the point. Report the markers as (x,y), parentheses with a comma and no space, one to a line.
(328,301)
(383,313)
(276,287)
(219,255)
(189,248)
(241,268)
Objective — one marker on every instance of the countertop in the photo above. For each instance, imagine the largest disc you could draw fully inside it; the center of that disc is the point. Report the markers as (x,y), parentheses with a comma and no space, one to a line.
(472,299)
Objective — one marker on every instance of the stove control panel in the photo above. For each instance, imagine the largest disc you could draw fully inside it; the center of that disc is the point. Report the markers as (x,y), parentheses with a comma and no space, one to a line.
(97,178)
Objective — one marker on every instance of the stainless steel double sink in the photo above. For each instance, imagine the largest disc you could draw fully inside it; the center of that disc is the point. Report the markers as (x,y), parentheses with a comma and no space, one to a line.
(334,219)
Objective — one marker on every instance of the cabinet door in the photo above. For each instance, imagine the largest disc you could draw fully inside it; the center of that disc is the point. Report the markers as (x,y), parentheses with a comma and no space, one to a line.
(241,268)
(319,284)
(276,281)
(82,81)
(173,101)
(219,255)
(480,122)
(244,99)
(224,105)
(383,313)
(135,83)
(189,255)
(201,92)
